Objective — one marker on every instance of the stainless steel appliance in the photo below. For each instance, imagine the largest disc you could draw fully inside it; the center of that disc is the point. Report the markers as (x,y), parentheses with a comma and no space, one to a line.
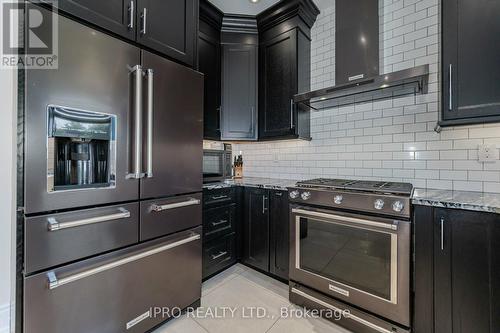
(217,162)
(113,183)
(350,250)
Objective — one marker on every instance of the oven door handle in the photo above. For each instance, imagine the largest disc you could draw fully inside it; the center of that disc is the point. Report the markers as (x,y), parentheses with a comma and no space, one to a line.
(355,220)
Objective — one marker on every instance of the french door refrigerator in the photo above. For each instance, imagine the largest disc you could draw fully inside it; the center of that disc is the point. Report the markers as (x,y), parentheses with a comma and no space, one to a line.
(112,186)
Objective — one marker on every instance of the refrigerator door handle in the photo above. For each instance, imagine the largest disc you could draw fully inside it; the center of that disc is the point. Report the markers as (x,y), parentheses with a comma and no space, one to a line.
(150,124)
(54,282)
(137,130)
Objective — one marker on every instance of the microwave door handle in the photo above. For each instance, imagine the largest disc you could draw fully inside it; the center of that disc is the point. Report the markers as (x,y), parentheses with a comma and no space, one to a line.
(150,124)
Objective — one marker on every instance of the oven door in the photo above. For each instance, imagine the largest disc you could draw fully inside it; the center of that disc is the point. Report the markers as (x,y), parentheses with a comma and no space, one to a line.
(359,259)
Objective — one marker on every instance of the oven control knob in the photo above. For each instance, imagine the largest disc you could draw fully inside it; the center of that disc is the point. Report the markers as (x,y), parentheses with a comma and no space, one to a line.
(398,206)
(294,194)
(379,204)
(305,195)
(338,199)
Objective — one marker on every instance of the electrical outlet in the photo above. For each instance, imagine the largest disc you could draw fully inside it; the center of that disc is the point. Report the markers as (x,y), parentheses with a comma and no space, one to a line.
(488,153)
(276,158)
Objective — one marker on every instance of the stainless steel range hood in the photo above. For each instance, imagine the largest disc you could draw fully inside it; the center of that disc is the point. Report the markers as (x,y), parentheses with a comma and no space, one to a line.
(395,84)
(357,62)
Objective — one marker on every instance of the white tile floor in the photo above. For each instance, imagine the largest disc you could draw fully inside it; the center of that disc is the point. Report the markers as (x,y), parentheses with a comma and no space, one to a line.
(240,288)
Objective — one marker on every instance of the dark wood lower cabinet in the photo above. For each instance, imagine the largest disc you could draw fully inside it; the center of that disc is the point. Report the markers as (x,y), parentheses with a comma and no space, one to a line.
(256,228)
(279,234)
(457,265)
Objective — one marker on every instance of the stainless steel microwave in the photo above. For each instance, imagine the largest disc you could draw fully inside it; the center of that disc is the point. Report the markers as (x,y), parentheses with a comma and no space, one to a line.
(217,165)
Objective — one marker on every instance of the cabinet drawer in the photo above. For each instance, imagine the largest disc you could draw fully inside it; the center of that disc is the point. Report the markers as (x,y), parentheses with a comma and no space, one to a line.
(219,197)
(219,254)
(56,239)
(162,217)
(219,221)
(114,292)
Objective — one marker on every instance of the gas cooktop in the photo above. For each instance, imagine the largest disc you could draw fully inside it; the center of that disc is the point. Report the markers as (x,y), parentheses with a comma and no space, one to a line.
(394,188)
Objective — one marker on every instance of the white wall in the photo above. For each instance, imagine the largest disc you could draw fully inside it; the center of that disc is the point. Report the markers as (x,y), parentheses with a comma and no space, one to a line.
(384,140)
(8,91)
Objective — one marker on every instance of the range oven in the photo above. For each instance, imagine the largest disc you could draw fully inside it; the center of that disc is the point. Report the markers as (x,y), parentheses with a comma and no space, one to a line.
(357,259)
(217,163)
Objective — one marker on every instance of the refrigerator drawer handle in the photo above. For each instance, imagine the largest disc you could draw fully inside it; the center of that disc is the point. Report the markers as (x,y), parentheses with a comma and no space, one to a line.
(150,123)
(190,202)
(54,282)
(347,316)
(217,256)
(54,225)
(219,223)
(347,219)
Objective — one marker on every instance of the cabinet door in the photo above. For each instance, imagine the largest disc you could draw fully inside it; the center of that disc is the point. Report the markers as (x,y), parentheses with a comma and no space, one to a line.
(278,85)
(239,101)
(279,240)
(471,51)
(209,63)
(467,271)
(168,27)
(114,15)
(256,228)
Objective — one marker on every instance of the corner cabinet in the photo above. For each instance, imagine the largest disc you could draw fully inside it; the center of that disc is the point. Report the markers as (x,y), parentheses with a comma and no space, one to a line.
(168,27)
(209,63)
(470,62)
(284,69)
(457,271)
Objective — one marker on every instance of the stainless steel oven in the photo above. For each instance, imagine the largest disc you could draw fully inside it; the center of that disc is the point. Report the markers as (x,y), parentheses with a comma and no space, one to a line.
(217,163)
(358,259)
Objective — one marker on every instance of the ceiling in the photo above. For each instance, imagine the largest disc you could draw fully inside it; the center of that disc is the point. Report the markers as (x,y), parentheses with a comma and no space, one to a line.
(248,8)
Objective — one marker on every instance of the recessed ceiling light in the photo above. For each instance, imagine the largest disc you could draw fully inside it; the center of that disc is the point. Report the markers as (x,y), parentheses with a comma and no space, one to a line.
(254,1)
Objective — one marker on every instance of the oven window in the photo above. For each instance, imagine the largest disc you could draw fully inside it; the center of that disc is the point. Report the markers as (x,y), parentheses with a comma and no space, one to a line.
(212,165)
(356,257)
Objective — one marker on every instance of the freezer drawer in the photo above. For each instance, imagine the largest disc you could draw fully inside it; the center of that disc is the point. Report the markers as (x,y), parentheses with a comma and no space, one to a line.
(57,239)
(219,222)
(115,292)
(161,217)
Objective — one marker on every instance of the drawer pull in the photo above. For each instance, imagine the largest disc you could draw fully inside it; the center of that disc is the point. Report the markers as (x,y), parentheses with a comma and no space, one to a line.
(54,225)
(54,282)
(217,256)
(190,202)
(220,197)
(219,223)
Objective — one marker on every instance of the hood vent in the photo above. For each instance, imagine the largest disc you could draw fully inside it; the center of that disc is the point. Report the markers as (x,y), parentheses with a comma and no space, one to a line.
(401,83)
(357,62)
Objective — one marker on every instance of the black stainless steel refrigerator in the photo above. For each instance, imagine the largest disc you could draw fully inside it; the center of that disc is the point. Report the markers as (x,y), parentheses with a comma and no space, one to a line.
(113,181)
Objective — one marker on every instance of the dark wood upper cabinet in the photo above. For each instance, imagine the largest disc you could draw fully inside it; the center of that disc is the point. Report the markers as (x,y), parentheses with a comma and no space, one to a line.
(457,271)
(256,228)
(117,16)
(279,234)
(168,27)
(284,68)
(470,70)
(209,63)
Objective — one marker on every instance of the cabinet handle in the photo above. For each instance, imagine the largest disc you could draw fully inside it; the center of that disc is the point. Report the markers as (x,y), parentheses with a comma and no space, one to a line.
(220,197)
(450,88)
(264,198)
(217,256)
(131,14)
(219,223)
(291,113)
(442,234)
(144,16)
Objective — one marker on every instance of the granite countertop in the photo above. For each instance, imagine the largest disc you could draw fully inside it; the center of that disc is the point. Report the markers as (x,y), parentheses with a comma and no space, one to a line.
(476,201)
(269,183)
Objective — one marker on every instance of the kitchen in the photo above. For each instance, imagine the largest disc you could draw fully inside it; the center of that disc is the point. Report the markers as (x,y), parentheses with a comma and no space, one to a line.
(260,166)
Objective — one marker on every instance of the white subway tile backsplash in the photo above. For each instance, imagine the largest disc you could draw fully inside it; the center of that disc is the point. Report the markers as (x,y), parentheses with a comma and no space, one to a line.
(390,139)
